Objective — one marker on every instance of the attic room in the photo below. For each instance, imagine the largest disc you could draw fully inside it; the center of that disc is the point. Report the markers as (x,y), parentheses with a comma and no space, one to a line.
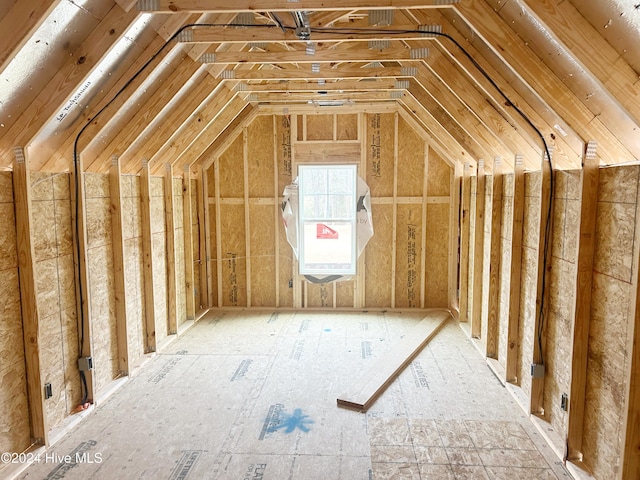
(221,222)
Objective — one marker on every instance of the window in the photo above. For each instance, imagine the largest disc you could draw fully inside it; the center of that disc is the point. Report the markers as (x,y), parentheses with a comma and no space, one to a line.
(327,196)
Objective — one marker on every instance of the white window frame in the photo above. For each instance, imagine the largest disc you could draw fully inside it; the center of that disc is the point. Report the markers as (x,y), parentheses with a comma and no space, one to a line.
(303,269)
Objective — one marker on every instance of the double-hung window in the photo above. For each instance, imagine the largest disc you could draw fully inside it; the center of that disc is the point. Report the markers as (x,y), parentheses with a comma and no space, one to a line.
(327,215)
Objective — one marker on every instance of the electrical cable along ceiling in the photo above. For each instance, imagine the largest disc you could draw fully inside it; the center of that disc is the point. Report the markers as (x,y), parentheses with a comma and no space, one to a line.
(163,79)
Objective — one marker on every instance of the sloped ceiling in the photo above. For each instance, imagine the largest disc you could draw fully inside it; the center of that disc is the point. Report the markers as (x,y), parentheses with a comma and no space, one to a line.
(167,80)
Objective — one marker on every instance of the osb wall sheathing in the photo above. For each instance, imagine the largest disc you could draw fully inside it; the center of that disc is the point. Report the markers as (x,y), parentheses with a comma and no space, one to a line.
(410,183)
(319,127)
(232,225)
(55,285)
(213,238)
(527,334)
(200,301)
(283,151)
(486,260)
(178,215)
(262,239)
(378,267)
(101,280)
(380,154)
(319,294)
(610,317)
(159,242)
(505,266)
(268,158)
(473,185)
(14,429)
(347,127)
(437,240)
(557,354)
(133,266)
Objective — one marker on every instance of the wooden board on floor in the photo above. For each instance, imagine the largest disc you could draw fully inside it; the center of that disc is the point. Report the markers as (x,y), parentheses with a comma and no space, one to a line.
(365,392)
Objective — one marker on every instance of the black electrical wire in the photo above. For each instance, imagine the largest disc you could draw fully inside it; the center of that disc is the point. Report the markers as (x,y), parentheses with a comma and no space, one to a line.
(547,232)
(340,31)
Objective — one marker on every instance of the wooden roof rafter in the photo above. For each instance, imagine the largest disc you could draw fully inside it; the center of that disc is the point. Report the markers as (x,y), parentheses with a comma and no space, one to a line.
(176,6)
(476,16)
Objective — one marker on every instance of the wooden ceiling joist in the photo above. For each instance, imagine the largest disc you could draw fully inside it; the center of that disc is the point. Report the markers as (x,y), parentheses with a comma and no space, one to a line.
(326,74)
(339,85)
(321,56)
(175,6)
(272,33)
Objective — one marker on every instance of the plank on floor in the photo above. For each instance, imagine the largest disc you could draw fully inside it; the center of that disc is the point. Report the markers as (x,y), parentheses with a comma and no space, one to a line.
(365,392)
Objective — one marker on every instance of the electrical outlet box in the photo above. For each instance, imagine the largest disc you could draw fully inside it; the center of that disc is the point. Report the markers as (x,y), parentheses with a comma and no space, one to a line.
(48,391)
(537,370)
(85,364)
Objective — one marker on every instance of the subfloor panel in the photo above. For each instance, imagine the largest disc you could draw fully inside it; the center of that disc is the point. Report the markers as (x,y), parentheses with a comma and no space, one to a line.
(251,395)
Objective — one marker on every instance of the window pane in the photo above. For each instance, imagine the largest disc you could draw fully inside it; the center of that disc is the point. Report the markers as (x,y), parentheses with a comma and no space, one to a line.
(327,247)
(315,206)
(315,180)
(327,219)
(341,181)
(341,206)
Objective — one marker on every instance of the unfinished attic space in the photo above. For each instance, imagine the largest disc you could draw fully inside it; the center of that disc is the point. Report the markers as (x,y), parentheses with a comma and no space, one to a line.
(312,239)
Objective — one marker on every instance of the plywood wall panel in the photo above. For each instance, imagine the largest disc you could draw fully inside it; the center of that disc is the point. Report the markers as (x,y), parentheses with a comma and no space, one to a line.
(6,187)
(283,151)
(103,328)
(344,294)
(70,353)
(8,253)
(159,242)
(178,212)
(234,277)
(378,263)
(44,230)
(285,260)
(55,288)
(51,353)
(529,278)
(505,266)
(408,255)
(473,184)
(133,265)
(232,170)
(101,279)
(319,295)
(262,246)
(134,304)
(160,284)
(195,237)
(347,127)
(260,156)
(437,256)
(410,161)
(213,238)
(608,333)
(380,153)
(557,354)
(14,431)
(319,127)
